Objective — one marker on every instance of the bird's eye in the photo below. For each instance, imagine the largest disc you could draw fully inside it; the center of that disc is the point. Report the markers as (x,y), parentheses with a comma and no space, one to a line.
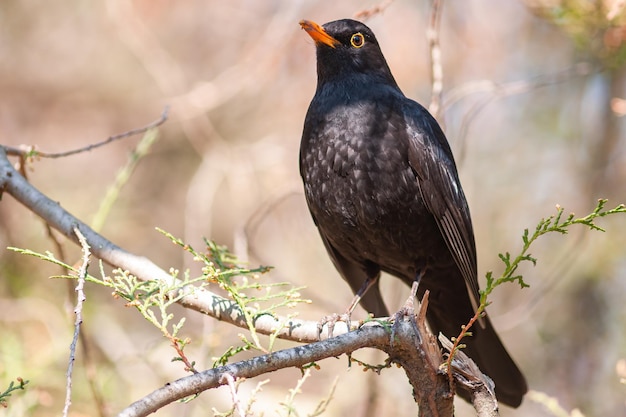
(357,40)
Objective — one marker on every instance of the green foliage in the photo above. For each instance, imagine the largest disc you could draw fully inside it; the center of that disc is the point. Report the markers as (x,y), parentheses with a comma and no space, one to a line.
(153,298)
(242,285)
(552,224)
(4,396)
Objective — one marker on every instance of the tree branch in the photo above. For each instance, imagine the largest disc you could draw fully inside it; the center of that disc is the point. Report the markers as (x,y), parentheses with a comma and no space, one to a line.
(295,357)
(404,345)
(409,343)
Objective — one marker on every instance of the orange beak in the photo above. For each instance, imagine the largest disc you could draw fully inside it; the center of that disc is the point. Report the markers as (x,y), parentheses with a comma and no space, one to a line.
(318,34)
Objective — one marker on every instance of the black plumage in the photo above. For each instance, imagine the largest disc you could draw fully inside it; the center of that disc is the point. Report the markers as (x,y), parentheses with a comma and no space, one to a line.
(382,187)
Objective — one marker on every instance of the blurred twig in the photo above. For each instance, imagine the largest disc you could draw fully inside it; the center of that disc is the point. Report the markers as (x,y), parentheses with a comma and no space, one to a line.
(251,224)
(91,372)
(497,91)
(436,69)
(122,177)
(367,13)
(288,404)
(515,87)
(552,405)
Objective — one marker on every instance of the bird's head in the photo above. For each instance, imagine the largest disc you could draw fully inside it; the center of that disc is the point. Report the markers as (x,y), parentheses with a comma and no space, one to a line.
(347,48)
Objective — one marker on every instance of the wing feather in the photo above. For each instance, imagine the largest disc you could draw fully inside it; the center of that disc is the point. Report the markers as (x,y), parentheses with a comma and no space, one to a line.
(431,158)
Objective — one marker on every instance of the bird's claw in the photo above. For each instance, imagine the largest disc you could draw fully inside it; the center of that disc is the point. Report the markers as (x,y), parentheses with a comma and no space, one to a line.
(331,321)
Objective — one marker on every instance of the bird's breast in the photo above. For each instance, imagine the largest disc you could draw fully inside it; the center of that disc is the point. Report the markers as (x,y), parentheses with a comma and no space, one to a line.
(358,181)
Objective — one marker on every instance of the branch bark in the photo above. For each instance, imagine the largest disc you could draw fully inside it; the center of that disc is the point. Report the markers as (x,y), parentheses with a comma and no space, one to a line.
(402,344)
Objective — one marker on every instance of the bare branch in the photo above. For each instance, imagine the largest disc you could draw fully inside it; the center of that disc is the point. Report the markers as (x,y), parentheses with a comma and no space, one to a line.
(403,344)
(298,357)
(497,91)
(80,299)
(32,152)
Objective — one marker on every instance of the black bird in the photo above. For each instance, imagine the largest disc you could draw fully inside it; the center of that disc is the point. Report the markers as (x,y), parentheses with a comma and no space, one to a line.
(383,189)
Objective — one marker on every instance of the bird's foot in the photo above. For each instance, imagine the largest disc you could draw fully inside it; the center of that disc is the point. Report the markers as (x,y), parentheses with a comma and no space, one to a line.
(408,309)
(330,322)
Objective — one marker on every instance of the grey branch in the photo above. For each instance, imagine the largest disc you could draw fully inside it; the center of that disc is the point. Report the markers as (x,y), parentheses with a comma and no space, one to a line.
(430,385)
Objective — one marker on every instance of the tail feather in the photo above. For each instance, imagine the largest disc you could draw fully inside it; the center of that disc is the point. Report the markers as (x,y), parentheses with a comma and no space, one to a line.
(485,348)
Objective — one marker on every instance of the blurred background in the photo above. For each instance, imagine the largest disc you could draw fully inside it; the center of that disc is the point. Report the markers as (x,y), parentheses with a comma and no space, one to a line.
(533,105)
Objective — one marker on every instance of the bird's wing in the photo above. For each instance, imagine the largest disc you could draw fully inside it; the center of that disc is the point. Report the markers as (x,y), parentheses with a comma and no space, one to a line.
(431,159)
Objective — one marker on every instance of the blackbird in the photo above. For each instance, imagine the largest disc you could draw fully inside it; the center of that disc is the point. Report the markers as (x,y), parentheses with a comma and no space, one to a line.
(382,187)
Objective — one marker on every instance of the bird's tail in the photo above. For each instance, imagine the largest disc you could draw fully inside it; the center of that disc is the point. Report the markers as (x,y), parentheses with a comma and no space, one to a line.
(486,349)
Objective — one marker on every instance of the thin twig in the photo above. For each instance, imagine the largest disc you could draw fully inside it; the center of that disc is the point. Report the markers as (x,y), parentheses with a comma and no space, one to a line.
(455,347)
(80,299)
(436,69)
(179,348)
(31,152)
(84,338)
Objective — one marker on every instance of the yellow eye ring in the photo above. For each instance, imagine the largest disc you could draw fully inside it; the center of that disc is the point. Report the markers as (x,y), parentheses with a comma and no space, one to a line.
(357,40)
